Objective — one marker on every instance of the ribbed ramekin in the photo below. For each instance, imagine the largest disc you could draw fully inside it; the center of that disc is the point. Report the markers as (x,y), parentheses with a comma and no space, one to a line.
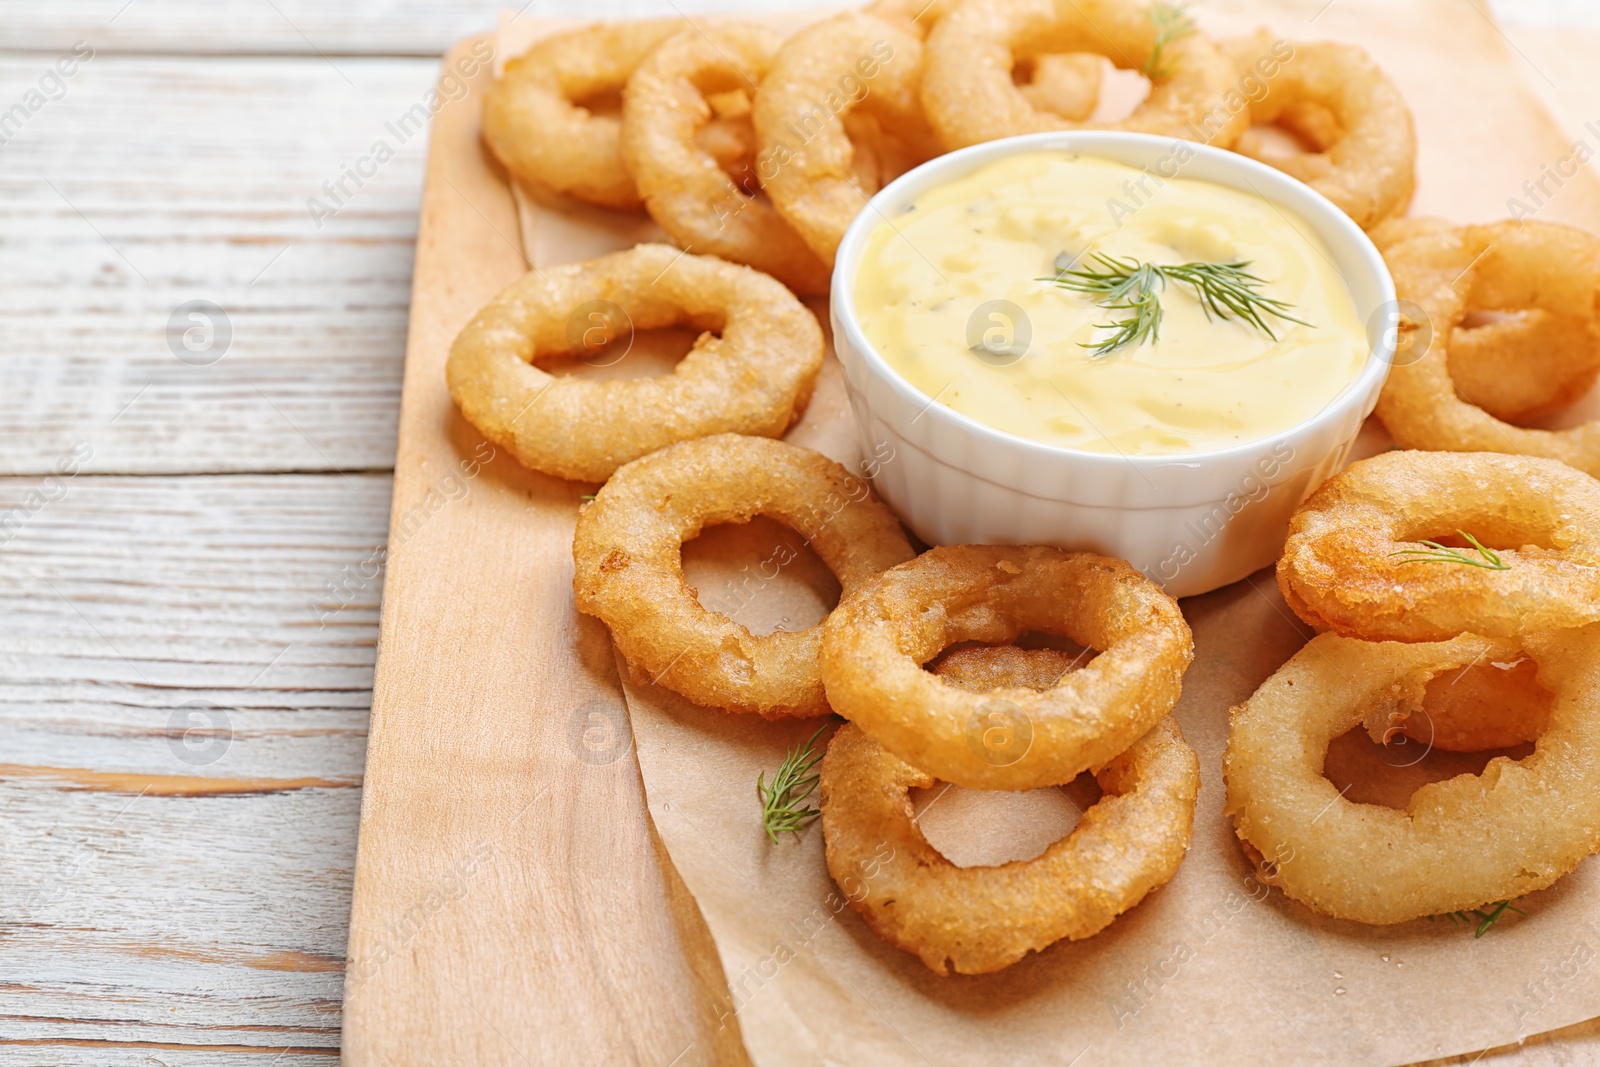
(1192,523)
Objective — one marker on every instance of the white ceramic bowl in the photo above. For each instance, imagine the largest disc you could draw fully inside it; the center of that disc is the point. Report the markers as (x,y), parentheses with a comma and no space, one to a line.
(1191,523)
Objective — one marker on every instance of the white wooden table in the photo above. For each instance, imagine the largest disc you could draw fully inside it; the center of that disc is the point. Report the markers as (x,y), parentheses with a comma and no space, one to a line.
(194,500)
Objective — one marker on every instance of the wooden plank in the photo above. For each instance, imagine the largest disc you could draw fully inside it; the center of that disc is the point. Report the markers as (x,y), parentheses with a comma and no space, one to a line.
(299,27)
(165,890)
(90,1053)
(125,598)
(303,27)
(153,182)
(574,941)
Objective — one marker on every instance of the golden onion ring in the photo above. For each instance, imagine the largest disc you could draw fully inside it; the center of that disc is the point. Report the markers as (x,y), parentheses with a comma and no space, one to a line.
(535,123)
(981,919)
(1351,561)
(1063,83)
(1460,843)
(1500,267)
(1521,366)
(970,97)
(685,188)
(876,641)
(629,565)
(837,117)
(1335,97)
(754,378)
(1393,231)
(1526,365)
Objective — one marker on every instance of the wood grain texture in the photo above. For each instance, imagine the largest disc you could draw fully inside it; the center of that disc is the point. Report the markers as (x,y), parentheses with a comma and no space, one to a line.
(294,27)
(305,27)
(512,905)
(155,181)
(183,724)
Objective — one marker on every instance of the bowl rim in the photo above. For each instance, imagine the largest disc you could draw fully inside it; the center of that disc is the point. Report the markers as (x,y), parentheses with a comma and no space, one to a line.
(1291,193)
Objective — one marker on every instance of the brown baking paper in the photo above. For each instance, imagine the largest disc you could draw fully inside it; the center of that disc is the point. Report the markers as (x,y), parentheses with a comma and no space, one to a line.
(1213,967)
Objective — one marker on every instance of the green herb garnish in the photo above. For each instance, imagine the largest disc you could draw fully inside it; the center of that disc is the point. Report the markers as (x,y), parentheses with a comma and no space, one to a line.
(1487,558)
(1484,918)
(781,812)
(1172,22)
(1225,291)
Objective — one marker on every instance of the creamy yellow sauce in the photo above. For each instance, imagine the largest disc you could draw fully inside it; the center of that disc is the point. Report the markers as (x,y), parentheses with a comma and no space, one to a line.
(926,275)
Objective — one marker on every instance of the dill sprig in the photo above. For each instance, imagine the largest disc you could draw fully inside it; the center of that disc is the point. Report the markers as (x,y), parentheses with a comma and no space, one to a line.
(1484,917)
(1225,291)
(794,781)
(1172,22)
(1487,558)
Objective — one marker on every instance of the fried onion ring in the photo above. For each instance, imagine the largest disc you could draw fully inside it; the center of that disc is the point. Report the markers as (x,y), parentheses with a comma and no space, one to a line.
(755,378)
(1505,266)
(535,123)
(1342,569)
(981,919)
(684,187)
(1526,365)
(1460,843)
(1393,231)
(876,641)
(970,97)
(837,118)
(1335,97)
(1521,366)
(629,565)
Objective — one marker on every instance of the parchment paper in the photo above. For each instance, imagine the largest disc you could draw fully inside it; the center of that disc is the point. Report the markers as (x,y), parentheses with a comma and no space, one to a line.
(1213,967)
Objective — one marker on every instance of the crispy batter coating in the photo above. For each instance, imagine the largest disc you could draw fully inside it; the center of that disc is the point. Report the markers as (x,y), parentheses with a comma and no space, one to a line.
(629,564)
(1528,365)
(685,188)
(1506,266)
(1522,365)
(1460,843)
(982,919)
(1335,97)
(535,121)
(970,97)
(837,118)
(755,378)
(876,641)
(1339,570)
(1398,230)
(1494,704)
(917,16)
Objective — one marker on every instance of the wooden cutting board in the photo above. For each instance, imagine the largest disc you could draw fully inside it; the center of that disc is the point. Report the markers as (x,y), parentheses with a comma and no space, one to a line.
(512,903)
